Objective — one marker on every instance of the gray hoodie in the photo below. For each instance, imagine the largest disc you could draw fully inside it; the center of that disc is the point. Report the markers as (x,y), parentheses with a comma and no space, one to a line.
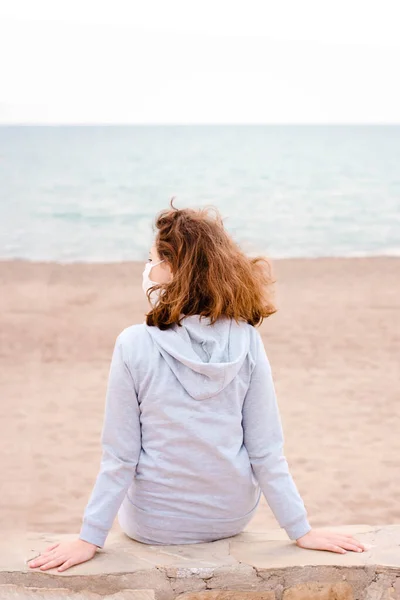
(191,436)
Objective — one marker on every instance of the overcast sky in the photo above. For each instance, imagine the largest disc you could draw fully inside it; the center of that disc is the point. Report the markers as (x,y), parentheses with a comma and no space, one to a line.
(214,61)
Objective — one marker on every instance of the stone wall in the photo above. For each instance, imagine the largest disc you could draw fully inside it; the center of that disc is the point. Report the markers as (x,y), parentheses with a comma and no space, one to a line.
(251,566)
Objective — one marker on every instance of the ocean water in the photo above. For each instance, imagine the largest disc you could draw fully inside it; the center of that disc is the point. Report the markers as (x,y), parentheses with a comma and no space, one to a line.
(76,193)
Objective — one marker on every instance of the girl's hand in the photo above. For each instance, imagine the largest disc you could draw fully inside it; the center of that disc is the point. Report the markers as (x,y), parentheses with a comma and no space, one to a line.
(64,555)
(331,541)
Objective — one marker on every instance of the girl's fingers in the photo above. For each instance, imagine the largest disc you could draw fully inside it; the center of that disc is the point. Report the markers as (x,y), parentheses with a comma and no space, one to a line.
(334,542)
(351,540)
(68,563)
(350,546)
(345,543)
(334,548)
(52,563)
(52,547)
(358,545)
(40,560)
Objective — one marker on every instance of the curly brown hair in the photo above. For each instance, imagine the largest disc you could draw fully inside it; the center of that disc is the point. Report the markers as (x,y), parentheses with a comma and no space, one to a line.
(212,277)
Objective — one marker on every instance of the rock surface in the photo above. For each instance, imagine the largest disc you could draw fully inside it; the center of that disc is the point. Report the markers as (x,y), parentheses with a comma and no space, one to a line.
(16,592)
(251,566)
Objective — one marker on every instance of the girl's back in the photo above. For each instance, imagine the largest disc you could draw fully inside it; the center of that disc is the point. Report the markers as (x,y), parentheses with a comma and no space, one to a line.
(193,468)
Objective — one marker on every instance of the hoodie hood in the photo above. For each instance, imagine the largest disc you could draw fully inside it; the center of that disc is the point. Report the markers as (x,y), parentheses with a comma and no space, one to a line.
(204,357)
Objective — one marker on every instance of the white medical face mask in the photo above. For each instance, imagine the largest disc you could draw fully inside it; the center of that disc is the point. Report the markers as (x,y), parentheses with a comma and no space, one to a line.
(148,283)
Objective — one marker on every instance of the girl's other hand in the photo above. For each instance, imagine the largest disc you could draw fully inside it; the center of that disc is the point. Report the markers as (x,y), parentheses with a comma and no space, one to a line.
(331,541)
(64,555)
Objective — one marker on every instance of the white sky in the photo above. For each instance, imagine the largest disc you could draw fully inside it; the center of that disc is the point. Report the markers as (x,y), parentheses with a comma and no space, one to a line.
(214,61)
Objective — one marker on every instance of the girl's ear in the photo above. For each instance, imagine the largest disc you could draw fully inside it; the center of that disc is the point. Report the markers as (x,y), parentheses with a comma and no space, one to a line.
(169,269)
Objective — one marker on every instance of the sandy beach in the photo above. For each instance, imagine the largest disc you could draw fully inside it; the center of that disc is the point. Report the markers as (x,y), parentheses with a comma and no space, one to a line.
(334,348)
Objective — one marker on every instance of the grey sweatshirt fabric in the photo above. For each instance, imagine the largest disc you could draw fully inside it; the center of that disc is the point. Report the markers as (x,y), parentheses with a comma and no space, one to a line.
(191,436)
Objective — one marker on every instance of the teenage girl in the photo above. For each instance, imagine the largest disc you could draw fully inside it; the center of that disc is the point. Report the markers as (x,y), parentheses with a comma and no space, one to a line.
(192,433)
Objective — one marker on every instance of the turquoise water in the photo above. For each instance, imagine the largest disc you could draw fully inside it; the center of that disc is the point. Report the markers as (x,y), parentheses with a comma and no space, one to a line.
(90,193)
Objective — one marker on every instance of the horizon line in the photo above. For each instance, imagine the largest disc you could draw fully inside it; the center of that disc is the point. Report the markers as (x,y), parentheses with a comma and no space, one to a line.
(192,124)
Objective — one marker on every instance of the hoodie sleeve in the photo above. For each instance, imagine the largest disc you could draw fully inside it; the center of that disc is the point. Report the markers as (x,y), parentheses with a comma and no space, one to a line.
(263,439)
(121,445)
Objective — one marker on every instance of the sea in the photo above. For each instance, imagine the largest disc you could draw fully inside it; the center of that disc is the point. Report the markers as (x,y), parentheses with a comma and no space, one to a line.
(91,193)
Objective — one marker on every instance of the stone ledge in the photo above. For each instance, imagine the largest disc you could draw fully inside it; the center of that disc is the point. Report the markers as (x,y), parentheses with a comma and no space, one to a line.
(253,565)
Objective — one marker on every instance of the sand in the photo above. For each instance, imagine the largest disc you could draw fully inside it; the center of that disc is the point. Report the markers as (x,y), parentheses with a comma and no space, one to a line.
(334,347)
